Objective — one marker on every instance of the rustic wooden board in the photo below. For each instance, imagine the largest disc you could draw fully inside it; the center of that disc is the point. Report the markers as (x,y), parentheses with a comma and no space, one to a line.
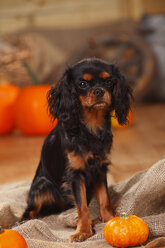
(18,14)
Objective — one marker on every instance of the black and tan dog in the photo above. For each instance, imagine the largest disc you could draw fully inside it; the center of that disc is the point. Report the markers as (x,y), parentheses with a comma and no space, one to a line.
(75,155)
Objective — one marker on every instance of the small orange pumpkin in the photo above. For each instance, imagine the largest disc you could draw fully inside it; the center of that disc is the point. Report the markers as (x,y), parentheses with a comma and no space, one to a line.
(31,112)
(11,239)
(115,123)
(127,230)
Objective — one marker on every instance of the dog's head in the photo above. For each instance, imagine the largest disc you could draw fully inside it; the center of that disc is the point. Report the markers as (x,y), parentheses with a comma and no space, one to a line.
(91,84)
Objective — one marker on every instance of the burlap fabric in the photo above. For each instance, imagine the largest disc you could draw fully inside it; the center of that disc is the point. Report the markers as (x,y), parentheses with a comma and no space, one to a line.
(143,195)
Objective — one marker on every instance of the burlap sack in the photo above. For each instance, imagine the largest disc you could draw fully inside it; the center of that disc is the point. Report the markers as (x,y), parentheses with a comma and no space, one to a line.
(143,195)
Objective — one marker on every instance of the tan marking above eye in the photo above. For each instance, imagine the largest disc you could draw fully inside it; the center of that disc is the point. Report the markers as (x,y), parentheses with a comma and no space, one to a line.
(87,76)
(104,75)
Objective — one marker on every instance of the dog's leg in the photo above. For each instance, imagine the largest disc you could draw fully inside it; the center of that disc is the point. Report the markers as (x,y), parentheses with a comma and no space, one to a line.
(44,199)
(102,196)
(84,227)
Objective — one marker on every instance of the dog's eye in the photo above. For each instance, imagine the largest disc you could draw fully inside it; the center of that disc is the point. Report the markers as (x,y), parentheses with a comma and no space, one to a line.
(108,83)
(83,84)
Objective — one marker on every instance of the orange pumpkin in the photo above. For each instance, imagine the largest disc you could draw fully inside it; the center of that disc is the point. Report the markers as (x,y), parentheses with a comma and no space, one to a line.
(32,117)
(11,239)
(8,95)
(127,230)
(115,123)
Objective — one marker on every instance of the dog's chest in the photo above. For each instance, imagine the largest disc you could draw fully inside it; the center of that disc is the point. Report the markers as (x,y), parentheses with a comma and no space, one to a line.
(82,141)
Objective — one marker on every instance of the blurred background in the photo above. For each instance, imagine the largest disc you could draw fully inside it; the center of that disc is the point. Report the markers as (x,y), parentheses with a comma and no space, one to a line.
(39,38)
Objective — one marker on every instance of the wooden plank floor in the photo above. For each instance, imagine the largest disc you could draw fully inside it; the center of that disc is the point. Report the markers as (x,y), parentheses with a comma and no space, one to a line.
(134,149)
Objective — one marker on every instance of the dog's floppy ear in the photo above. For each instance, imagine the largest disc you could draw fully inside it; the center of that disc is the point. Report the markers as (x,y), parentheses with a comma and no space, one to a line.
(122,94)
(61,98)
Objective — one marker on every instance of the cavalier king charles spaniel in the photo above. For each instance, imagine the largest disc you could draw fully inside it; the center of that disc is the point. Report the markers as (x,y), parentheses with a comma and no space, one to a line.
(75,155)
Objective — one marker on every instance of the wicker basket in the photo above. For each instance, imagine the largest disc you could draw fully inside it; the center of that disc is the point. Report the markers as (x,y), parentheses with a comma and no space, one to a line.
(13,54)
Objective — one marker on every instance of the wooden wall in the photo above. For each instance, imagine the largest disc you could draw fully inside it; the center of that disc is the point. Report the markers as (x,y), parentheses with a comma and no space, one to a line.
(18,14)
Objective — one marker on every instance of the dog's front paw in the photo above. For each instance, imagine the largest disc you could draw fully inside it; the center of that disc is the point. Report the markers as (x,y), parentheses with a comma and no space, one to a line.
(81,236)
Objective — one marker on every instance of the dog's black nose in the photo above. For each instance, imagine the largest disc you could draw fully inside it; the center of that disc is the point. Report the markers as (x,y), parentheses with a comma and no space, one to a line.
(99,92)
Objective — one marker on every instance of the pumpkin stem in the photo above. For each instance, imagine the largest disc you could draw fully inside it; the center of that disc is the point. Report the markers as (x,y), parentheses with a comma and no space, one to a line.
(124,216)
(31,73)
(1,230)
